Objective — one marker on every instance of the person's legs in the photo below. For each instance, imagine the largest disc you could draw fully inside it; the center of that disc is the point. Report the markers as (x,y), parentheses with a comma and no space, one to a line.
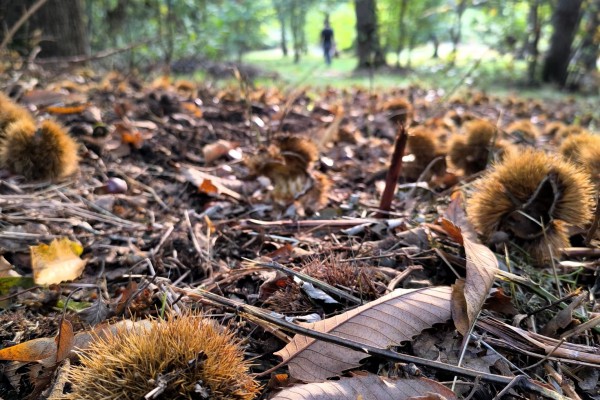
(327,53)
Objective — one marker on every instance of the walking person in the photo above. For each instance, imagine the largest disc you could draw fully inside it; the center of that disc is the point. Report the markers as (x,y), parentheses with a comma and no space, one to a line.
(327,41)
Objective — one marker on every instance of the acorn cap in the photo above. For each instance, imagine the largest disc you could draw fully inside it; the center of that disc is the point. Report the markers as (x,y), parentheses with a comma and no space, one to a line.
(530,186)
(184,352)
(42,154)
(10,112)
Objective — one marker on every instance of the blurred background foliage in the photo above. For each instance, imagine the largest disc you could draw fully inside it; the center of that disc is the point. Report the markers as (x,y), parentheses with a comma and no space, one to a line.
(539,35)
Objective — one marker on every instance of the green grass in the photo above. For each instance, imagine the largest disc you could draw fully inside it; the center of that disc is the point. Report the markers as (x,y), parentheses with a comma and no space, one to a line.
(477,67)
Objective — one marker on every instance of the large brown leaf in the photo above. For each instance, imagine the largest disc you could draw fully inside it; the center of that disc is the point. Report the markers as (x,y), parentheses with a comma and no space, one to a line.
(388,321)
(370,387)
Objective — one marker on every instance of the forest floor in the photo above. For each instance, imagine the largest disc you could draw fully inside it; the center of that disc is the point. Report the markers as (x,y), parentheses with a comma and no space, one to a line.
(172,196)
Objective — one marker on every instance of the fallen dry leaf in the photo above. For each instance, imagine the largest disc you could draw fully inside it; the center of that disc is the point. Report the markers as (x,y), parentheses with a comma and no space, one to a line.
(50,349)
(385,322)
(216,150)
(64,340)
(468,298)
(57,262)
(199,178)
(32,350)
(67,110)
(564,317)
(371,387)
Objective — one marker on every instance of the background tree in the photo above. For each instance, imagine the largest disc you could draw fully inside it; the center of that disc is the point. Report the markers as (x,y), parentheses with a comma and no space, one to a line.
(456,30)
(566,19)
(58,27)
(280,10)
(368,47)
(590,46)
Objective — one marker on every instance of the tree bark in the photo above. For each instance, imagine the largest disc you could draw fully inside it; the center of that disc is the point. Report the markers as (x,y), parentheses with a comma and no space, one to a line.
(566,19)
(279,10)
(401,31)
(368,47)
(456,31)
(590,46)
(63,28)
(533,40)
(296,26)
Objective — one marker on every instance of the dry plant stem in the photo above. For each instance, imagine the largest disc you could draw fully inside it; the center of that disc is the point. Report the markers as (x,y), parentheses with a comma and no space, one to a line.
(289,225)
(402,276)
(554,303)
(9,35)
(391,180)
(515,382)
(580,252)
(321,285)
(364,348)
(203,256)
(595,223)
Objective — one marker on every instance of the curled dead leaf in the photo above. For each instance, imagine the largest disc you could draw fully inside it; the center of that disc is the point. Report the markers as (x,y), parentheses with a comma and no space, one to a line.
(468,299)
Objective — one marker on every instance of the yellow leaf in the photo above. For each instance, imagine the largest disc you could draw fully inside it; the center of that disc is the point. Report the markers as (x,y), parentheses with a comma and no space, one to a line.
(57,262)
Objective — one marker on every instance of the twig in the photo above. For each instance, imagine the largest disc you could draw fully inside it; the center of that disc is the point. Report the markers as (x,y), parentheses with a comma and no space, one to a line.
(321,285)
(403,275)
(391,180)
(98,56)
(9,35)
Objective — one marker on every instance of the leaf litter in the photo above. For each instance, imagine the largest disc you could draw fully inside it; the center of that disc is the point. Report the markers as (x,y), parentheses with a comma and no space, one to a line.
(180,189)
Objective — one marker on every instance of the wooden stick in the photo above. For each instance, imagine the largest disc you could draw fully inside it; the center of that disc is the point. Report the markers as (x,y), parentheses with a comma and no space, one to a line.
(391,180)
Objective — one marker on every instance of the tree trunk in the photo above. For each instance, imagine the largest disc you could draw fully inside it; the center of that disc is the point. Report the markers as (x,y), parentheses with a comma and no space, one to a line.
(533,40)
(565,22)
(590,46)
(283,34)
(368,47)
(63,28)
(436,46)
(401,31)
(296,26)
(456,31)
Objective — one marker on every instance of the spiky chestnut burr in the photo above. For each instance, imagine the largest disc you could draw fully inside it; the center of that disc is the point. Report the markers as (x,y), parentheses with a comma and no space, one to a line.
(470,152)
(399,111)
(584,150)
(191,355)
(10,112)
(522,131)
(288,163)
(423,144)
(532,197)
(46,153)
